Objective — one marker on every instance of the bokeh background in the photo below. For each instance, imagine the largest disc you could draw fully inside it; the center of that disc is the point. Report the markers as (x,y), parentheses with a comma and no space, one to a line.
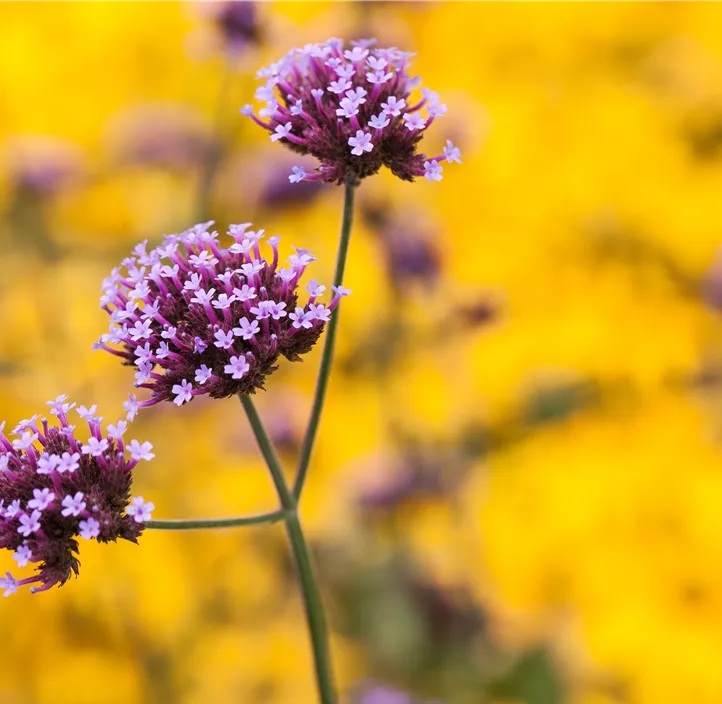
(517,490)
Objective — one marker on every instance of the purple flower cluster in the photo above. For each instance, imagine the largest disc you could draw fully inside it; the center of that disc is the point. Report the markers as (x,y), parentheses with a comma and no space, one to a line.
(215,320)
(352,109)
(55,488)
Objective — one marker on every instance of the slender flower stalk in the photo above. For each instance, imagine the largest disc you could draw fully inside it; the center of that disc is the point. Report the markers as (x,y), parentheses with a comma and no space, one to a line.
(324,371)
(313,606)
(232,522)
(269,454)
(312,602)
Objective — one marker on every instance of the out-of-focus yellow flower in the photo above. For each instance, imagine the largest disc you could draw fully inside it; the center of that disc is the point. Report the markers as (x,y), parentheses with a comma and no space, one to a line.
(618,532)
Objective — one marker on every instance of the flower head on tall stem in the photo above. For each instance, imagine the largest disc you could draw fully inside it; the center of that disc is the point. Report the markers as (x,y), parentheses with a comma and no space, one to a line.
(214,320)
(56,488)
(351,108)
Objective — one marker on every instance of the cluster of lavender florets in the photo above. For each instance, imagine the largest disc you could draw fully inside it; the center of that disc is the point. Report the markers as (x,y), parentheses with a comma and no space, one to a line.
(215,320)
(352,109)
(54,488)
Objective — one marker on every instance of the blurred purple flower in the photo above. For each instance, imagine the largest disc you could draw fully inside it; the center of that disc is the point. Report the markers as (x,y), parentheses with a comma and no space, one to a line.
(215,320)
(285,434)
(409,257)
(278,190)
(237,23)
(41,164)
(394,481)
(380,694)
(165,136)
(262,178)
(373,693)
(410,246)
(351,109)
(54,489)
(712,283)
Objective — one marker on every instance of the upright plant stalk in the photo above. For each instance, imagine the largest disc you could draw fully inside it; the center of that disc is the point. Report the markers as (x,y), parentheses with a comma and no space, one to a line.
(313,606)
(327,356)
(264,443)
(309,587)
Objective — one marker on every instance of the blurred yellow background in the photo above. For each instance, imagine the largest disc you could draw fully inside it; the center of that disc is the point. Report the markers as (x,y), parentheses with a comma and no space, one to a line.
(517,491)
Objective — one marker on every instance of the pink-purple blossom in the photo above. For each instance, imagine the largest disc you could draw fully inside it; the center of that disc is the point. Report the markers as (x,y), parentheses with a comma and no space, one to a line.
(218,325)
(433,170)
(355,110)
(140,509)
(452,153)
(73,505)
(298,174)
(52,492)
(237,368)
(89,529)
(361,142)
(41,499)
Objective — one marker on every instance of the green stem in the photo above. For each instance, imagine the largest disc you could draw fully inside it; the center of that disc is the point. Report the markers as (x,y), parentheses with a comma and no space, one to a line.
(314,610)
(193,523)
(269,454)
(327,356)
(312,602)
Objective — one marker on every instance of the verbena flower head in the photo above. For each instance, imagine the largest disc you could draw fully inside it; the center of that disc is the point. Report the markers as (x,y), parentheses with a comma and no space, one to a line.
(56,488)
(351,108)
(197,318)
